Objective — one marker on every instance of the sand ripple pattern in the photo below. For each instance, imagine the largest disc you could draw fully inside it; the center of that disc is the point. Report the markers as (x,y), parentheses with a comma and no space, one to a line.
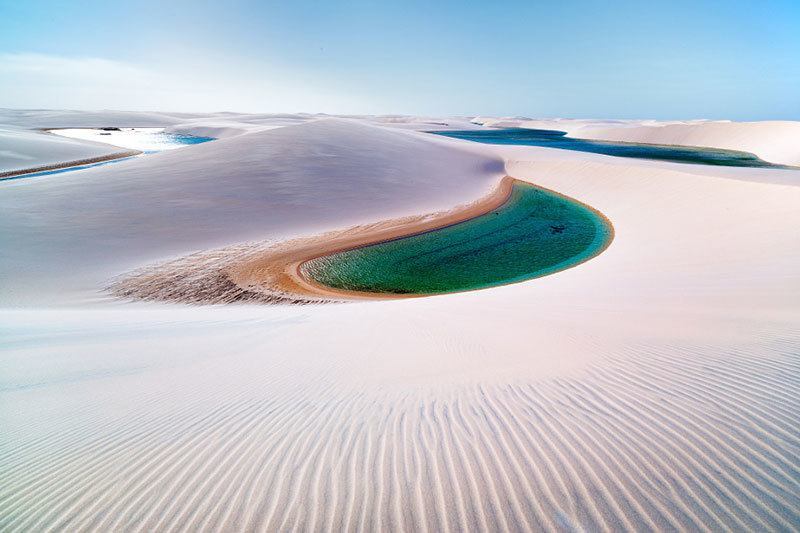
(692,437)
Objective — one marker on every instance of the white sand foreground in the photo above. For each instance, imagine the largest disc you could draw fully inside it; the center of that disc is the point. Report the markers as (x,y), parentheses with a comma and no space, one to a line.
(654,387)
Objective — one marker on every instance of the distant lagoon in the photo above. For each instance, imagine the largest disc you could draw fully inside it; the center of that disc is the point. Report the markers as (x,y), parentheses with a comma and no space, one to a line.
(662,152)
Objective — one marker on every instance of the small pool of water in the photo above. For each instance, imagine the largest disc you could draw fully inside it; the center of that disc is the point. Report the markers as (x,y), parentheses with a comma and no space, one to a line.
(558,139)
(535,233)
(147,140)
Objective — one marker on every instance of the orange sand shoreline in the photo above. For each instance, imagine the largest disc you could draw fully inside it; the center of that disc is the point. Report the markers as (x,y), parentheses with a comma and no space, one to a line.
(281,270)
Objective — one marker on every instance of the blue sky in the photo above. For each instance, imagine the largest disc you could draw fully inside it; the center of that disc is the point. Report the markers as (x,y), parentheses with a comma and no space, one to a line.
(678,59)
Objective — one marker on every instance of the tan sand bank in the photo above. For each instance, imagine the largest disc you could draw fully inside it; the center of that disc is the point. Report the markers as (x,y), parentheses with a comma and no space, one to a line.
(68,164)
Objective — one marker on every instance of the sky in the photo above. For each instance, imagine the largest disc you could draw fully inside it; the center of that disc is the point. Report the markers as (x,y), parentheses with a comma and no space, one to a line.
(556,58)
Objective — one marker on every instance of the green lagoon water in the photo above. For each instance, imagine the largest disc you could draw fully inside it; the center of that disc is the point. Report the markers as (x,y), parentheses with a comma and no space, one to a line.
(535,233)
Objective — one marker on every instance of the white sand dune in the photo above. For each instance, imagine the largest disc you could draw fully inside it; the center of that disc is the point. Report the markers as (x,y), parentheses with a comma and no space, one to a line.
(271,184)
(655,387)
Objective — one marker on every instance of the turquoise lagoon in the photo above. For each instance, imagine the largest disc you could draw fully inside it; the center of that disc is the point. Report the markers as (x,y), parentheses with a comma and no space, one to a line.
(534,233)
